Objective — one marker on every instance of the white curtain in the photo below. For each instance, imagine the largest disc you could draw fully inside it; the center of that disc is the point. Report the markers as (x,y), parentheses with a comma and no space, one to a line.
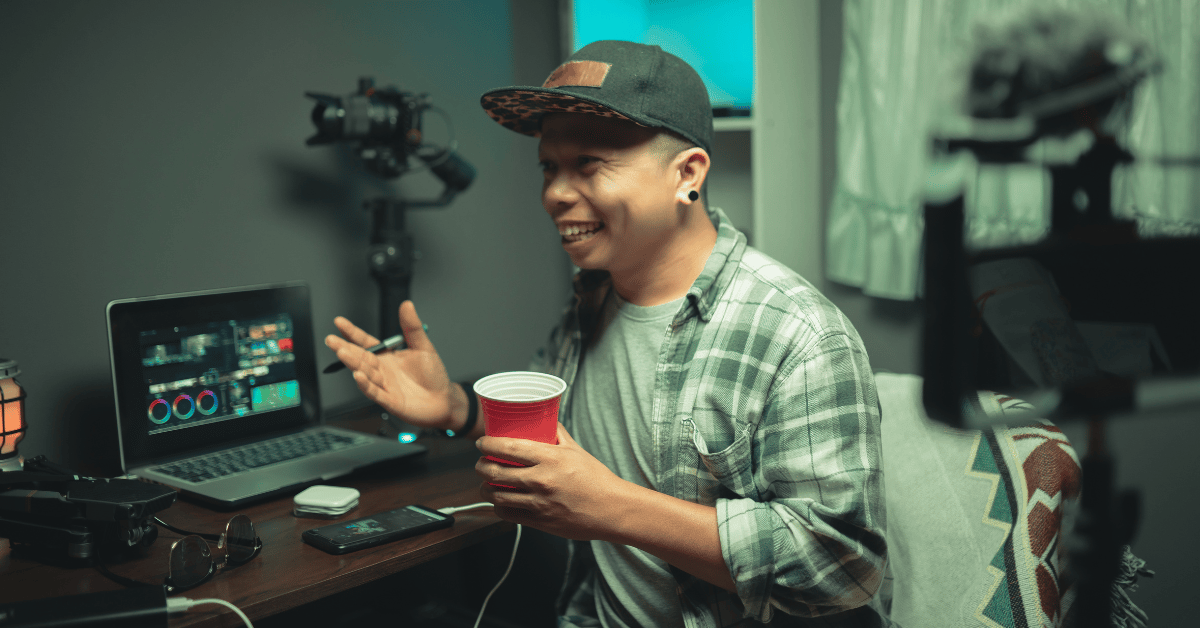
(898,62)
(1166,122)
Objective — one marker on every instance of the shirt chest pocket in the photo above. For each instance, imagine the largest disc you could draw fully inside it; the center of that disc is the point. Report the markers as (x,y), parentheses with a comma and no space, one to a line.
(727,473)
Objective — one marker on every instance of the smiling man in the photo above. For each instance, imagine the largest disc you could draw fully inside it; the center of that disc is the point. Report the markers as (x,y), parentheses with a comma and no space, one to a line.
(619,194)
(718,460)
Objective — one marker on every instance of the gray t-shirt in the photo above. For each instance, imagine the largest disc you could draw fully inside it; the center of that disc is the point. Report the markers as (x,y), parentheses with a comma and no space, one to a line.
(611,414)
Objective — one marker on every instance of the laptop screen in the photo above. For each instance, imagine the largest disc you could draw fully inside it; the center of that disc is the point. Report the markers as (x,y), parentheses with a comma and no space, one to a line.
(197,371)
(218,371)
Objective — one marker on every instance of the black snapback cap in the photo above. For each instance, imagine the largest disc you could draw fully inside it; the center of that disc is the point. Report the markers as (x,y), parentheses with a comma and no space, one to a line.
(615,79)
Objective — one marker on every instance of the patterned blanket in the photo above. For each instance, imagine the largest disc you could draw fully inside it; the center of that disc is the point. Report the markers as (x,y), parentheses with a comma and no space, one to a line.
(975,517)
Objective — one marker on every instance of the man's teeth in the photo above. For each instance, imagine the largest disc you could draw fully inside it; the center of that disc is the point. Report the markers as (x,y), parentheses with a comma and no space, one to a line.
(576,233)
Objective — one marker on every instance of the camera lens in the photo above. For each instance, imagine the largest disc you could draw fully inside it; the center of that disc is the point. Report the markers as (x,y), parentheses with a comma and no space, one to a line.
(327,116)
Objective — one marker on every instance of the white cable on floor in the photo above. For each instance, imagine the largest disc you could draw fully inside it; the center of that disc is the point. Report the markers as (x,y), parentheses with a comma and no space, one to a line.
(511,560)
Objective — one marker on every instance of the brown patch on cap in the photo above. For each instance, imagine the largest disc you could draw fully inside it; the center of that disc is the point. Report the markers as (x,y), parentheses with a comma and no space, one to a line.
(578,74)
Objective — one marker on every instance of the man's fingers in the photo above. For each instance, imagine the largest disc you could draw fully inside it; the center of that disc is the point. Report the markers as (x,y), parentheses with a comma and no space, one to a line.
(564,437)
(518,450)
(414,331)
(350,350)
(353,333)
(515,515)
(505,482)
(496,474)
(368,388)
(353,356)
(514,503)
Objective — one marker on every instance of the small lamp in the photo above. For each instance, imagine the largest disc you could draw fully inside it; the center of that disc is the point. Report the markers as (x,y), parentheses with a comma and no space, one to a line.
(12,415)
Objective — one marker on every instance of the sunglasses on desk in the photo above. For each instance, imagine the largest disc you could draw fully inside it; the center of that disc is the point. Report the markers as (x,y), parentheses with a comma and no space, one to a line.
(191,563)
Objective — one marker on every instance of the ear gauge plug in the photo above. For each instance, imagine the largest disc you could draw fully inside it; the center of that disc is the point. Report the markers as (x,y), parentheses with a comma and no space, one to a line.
(693,196)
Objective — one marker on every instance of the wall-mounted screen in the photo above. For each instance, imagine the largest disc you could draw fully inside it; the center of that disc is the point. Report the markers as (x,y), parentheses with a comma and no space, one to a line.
(716,37)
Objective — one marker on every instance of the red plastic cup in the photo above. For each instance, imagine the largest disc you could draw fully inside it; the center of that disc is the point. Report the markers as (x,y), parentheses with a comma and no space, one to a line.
(520,404)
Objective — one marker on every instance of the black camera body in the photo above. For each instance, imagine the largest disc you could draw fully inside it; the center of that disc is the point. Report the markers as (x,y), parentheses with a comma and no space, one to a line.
(385,122)
(63,515)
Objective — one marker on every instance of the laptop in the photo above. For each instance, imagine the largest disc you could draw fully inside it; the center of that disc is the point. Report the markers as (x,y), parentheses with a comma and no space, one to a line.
(216,395)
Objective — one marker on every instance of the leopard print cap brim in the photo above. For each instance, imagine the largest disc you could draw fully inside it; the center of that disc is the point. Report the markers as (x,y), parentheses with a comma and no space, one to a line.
(521,110)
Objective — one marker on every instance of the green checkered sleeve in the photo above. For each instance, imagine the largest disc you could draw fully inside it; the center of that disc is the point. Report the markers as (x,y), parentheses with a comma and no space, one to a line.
(812,544)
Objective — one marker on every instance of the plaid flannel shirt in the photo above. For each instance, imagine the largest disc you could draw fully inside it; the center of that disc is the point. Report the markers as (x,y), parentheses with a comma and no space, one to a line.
(764,407)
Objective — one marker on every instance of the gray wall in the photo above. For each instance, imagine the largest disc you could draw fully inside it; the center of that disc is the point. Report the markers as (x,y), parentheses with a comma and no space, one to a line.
(157,147)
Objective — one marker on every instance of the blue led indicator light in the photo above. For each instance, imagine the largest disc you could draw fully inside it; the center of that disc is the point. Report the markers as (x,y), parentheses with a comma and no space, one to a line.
(407,437)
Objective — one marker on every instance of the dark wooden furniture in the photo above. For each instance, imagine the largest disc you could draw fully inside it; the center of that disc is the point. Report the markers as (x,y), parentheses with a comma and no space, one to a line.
(289,573)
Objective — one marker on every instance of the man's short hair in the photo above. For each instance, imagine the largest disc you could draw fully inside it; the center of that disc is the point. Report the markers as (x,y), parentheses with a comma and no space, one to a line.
(666,144)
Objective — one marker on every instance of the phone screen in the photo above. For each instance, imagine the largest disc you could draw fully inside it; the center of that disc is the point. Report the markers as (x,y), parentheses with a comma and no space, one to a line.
(382,523)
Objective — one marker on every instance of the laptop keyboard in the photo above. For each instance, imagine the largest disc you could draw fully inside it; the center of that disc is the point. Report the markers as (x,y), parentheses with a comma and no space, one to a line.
(230,461)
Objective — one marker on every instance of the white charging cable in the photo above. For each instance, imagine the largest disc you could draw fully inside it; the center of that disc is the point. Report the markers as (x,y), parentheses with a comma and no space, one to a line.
(511,559)
(181,604)
(449,510)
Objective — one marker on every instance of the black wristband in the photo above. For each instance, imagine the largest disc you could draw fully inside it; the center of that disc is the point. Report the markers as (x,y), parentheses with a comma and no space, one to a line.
(472,412)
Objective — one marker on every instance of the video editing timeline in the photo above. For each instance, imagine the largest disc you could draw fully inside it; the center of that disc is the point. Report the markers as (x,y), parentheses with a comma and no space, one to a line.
(216,371)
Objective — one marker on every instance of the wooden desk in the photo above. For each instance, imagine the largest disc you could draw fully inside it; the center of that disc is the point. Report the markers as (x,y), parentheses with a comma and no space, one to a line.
(289,572)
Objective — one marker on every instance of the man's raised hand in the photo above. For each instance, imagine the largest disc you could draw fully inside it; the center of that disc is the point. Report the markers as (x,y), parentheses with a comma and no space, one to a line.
(411,383)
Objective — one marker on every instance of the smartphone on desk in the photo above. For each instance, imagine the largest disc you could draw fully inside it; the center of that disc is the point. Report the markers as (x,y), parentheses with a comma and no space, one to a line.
(377,529)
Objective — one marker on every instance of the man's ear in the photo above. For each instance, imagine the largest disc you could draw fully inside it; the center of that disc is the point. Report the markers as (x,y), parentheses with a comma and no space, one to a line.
(692,166)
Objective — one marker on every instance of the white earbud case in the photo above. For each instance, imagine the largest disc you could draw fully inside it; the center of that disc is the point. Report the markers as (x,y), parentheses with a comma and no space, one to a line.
(327,501)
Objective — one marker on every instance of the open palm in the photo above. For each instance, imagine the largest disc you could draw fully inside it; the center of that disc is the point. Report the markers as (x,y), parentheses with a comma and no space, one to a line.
(411,383)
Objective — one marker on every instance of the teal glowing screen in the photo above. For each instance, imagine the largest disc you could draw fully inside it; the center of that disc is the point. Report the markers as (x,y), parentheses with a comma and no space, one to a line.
(716,37)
